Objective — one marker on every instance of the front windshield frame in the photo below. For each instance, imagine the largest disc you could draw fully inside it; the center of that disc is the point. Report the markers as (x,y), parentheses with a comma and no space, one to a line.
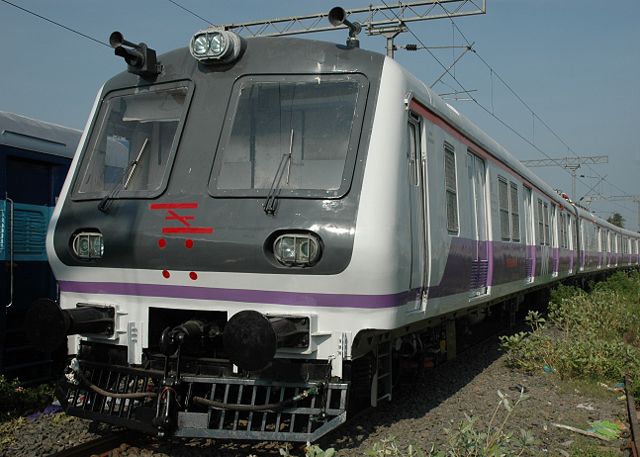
(98,129)
(352,142)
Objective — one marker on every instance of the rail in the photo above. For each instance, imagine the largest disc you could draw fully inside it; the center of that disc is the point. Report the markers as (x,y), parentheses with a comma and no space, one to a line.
(98,446)
(633,418)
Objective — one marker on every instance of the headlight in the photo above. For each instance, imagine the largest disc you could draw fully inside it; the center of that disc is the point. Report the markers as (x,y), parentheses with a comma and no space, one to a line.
(210,46)
(88,245)
(200,46)
(297,249)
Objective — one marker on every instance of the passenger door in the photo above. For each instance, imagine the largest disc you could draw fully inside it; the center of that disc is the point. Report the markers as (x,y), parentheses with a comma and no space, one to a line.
(479,226)
(529,238)
(417,204)
(544,238)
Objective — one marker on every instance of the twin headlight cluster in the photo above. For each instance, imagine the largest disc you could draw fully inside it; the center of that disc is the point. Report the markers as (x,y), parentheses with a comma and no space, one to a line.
(215,46)
(297,249)
(88,245)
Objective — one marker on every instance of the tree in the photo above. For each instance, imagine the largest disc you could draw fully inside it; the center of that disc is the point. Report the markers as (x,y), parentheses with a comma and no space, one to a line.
(616,219)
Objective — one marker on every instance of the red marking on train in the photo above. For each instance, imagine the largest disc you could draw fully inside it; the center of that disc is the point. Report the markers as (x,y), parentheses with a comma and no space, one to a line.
(162,243)
(187,230)
(166,274)
(188,243)
(177,217)
(173,205)
(193,275)
(183,219)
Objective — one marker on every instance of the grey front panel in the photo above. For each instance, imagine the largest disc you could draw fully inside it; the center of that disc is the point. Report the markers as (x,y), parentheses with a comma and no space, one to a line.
(185,228)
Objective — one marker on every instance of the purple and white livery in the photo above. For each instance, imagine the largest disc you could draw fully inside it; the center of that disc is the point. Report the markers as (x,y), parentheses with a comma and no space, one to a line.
(254,232)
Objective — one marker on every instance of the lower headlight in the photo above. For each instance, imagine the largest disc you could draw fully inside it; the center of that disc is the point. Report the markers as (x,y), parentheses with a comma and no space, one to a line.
(297,249)
(88,245)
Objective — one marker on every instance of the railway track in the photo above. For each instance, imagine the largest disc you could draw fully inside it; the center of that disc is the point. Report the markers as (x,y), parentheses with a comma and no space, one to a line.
(633,419)
(100,446)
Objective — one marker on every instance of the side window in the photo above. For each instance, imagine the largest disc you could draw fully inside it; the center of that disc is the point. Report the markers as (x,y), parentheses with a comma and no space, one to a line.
(600,239)
(509,215)
(547,232)
(450,188)
(540,223)
(413,127)
(571,244)
(515,214)
(503,196)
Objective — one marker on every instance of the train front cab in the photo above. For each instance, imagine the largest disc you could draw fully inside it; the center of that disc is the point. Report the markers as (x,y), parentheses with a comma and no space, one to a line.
(144,264)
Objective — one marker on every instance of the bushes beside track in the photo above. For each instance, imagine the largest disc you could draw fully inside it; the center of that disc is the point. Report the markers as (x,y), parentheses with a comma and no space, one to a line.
(16,400)
(586,336)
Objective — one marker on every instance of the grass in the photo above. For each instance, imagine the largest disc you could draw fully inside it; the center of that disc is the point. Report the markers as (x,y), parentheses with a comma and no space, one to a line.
(472,437)
(592,337)
(585,449)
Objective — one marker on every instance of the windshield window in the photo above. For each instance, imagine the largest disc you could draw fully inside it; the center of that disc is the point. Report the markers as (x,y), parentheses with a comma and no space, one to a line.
(131,150)
(305,125)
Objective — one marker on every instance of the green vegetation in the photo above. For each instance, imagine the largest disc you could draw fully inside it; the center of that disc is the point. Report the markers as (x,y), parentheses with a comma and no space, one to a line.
(471,438)
(589,450)
(616,219)
(16,400)
(592,337)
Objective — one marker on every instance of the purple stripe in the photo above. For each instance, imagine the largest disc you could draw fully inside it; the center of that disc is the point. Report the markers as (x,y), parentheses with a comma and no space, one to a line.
(238,295)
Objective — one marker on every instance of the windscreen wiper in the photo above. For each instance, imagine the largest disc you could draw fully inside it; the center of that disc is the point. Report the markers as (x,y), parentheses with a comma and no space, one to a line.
(124,181)
(271,203)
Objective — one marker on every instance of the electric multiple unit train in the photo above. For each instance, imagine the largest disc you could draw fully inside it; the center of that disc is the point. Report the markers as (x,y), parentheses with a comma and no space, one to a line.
(252,228)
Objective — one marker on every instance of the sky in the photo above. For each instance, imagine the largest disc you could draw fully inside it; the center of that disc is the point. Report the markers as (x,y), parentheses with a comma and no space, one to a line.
(574,63)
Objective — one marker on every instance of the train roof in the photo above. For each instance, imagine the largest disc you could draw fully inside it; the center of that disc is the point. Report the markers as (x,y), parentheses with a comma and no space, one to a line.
(30,134)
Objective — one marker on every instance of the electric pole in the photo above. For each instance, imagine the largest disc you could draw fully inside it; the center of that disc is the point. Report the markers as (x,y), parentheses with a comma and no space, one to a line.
(569,163)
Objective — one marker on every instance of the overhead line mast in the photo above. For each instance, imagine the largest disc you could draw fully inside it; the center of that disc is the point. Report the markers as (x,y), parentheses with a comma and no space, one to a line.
(386,20)
(616,198)
(569,163)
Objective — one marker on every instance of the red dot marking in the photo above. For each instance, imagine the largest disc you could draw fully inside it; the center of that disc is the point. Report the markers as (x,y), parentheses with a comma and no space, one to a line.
(193,275)
(166,274)
(188,244)
(162,243)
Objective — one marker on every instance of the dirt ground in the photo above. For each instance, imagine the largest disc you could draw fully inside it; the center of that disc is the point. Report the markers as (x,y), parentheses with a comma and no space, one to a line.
(423,407)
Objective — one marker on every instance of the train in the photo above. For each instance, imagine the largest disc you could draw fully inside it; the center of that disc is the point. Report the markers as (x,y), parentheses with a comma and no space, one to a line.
(38,153)
(254,230)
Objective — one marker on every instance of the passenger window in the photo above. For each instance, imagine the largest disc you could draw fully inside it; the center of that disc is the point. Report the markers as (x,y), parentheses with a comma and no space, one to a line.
(515,215)
(414,150)
(540,223)
(547,233)
(503,196)
(450,188)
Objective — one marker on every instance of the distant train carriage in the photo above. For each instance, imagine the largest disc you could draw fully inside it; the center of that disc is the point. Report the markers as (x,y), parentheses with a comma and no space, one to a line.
(255,231)
(34,159)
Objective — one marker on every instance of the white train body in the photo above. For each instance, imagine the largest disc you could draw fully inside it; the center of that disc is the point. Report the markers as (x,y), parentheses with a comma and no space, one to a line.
(434,220)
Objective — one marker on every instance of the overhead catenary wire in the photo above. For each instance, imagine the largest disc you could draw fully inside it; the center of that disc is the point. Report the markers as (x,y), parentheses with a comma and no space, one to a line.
(491,112)
(190,12)
(69,29)
(447,71)
(527,106)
